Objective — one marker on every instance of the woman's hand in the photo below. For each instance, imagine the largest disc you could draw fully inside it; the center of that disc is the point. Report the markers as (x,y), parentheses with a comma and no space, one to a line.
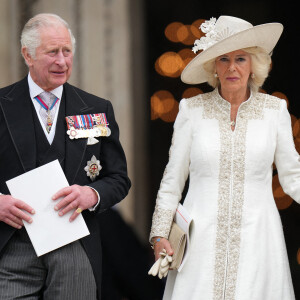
(160,243)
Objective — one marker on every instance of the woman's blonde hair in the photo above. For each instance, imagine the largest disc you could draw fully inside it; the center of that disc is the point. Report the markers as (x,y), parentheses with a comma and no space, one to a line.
(260,62)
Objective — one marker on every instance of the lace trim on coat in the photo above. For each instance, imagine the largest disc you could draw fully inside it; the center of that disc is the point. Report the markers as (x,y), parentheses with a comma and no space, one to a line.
(161,222)
(231,181)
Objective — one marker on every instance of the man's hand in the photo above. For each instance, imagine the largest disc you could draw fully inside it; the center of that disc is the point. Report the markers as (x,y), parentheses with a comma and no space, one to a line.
(75,197)
(11,211)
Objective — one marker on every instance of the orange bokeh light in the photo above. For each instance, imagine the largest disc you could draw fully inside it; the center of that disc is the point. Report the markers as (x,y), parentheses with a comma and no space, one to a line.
(191,92)
(293,119)
(297,144)
(282,200)
(195,29)
(183,33)
(169,64)
(296,127)
(164,106)
(281,96)
(186,55)
(186,34)
(171,31)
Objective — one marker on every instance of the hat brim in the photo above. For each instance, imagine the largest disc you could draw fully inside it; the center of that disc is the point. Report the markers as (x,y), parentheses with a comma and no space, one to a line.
(265,36)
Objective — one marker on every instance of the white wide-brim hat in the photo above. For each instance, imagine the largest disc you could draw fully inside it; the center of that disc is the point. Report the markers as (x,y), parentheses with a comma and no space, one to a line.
(225,35)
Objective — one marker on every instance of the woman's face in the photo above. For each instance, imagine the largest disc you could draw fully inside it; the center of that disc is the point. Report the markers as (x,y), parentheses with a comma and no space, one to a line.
(234,69)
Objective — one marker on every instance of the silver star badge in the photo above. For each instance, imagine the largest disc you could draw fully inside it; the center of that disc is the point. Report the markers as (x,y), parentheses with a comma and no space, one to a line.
(93,168)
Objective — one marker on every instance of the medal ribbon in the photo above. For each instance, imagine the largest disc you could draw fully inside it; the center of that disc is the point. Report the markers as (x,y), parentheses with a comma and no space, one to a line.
(86,121)
(43,104)
(46,107)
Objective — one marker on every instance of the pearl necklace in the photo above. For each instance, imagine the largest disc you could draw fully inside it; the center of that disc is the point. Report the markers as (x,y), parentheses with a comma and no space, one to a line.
(232,123)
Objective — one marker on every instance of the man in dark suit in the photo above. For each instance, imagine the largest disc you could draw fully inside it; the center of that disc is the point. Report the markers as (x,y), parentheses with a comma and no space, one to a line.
(78,129)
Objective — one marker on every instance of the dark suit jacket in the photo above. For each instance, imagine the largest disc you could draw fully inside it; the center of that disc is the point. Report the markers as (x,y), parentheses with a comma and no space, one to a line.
(18,155)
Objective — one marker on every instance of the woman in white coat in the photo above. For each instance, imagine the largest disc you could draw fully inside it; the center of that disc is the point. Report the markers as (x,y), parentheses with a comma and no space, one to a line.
(226,141)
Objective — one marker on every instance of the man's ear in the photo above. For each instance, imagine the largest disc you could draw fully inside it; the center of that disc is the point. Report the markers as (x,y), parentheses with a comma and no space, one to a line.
(28,58)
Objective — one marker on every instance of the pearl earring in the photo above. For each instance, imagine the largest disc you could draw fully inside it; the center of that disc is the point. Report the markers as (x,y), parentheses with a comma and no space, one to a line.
(252,75)
(216,75)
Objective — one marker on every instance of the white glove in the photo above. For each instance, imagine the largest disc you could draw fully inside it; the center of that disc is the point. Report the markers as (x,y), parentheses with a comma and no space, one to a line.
(161,266)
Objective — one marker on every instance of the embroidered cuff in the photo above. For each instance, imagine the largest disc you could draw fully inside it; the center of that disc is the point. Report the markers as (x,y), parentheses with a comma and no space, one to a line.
(161,222)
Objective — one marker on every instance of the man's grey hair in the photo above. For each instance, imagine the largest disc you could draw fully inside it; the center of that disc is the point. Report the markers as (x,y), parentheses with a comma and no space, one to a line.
(30,36)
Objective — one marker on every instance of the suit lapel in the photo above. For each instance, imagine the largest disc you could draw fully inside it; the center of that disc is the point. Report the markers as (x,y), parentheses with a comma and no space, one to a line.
(17,110)
(75,149)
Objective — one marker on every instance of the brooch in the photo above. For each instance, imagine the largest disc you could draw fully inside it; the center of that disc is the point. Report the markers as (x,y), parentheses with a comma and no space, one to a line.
(93,168)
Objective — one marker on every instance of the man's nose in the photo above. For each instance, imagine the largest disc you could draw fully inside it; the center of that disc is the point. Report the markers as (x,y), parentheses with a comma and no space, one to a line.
(60,59)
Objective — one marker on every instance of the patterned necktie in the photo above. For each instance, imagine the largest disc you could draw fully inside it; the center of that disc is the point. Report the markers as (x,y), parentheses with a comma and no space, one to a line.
(48,108)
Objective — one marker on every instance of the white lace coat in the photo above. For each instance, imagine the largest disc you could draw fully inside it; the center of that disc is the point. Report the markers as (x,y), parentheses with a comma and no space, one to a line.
(237,245)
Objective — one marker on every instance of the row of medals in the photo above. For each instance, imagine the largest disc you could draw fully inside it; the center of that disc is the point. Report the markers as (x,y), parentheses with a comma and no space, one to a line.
(99,130)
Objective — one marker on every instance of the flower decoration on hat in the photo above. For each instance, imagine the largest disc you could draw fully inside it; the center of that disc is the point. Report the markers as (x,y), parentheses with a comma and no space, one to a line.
(206,41)
(212,35)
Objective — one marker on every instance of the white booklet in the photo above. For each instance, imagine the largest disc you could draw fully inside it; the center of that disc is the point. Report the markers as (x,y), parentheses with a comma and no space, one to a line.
(183,220)
(48,231)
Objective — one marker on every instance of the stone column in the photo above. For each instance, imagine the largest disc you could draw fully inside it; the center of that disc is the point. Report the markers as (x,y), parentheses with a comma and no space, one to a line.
(10,58)
(112,66)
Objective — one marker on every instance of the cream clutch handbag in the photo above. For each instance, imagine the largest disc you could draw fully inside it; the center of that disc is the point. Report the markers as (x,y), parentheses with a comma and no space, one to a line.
(177,239)
(179,243)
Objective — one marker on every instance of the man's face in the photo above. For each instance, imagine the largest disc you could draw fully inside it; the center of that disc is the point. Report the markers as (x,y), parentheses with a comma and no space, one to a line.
(52,65)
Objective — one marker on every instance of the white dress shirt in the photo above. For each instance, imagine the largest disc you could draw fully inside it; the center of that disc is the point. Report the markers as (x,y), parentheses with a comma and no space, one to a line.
(34,91)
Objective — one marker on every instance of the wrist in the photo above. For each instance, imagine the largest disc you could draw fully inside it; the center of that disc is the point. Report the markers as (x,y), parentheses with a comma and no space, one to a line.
(156,240)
